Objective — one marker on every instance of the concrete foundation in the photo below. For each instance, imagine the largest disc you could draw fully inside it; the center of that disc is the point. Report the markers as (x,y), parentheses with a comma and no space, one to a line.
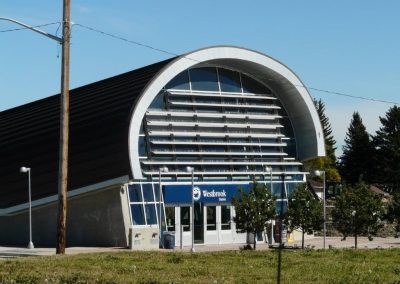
(100,218)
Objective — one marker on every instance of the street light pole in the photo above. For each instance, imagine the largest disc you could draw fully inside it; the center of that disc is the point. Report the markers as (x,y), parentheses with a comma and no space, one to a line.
(319,173)
(269,169)
(160,170)
(28,170)
(191,170)
(64,121)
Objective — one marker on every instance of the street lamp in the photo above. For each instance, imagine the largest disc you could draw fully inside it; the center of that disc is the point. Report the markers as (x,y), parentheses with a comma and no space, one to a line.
(318,174)
(269,170)
(28,170)
(191,170)
(160,170)
(64,121)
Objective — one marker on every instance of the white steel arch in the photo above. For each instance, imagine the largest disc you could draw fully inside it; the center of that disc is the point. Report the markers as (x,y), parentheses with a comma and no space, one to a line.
(285,83)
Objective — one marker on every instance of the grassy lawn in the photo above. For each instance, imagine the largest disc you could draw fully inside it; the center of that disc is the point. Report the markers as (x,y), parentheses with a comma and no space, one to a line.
(308,266)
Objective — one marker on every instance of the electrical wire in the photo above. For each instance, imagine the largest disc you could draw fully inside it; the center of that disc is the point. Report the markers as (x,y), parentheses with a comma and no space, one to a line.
(37,26)
(184,56)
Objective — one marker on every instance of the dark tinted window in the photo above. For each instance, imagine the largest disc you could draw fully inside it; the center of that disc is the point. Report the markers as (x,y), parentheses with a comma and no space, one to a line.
(137,214)
(180,82)
(229,80)
(252,86)
(225,217)
(151,214)
(204,79)
(134,193)
(148,192)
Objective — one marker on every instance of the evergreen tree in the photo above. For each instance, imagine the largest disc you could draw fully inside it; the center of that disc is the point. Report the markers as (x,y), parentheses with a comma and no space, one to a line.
(387,151)
(254,210)
(357,211)
(394,210)
(327,163)
(356,160)
(305,212)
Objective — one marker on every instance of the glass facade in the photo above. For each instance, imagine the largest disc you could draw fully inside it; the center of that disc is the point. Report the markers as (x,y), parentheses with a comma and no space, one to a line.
(145,204)
(229,127)
(224,123)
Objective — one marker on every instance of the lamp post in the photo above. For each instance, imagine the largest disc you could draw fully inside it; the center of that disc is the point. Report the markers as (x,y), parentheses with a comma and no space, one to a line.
(28,170)
(160,170)
(64,121)
(269,170)
(318,174)
(191,170)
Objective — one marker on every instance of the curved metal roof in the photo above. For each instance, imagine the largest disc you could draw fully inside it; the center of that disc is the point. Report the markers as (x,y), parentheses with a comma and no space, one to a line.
(286,85)
(105,115)
(99,120)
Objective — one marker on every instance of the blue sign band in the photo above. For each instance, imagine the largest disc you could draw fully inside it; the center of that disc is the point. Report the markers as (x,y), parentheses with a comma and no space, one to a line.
(205,193)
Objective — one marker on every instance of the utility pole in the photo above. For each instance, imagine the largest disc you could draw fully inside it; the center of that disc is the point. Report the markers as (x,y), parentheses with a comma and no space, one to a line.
(64,132)
(64,121)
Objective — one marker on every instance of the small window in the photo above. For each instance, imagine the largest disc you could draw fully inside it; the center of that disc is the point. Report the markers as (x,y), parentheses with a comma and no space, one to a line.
(279,190)
(204,79)
(229,80)
(211,218)
(170,214)
(252,86)
(135,193)
(185,218)
(281,207)
(225,217)
(180,82)
(137,214)
(151,216)
(148,192)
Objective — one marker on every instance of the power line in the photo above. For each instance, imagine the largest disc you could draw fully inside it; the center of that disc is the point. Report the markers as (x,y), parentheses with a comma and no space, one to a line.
(38,26)
(175,54)
(128,40)
(350,96)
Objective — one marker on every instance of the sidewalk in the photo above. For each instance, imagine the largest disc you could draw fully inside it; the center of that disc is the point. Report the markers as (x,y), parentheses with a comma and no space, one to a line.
(317,243)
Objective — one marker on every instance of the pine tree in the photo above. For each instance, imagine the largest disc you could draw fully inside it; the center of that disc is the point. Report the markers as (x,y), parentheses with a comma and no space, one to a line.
(387,151)
(356,160)
(327,163)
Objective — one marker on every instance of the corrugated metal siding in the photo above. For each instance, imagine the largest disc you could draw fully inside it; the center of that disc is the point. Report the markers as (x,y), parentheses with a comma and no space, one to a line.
(99,121)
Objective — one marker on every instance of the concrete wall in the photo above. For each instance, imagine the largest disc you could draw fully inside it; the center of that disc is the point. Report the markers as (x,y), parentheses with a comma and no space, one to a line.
(100,218)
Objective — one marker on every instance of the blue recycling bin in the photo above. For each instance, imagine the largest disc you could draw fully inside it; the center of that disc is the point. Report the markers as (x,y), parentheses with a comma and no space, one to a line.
(169,240)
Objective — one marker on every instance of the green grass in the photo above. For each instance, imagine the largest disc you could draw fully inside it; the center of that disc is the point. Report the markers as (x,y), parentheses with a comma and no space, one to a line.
(307,266)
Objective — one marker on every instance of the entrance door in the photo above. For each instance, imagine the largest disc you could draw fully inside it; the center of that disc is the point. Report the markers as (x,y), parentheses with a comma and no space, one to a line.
(198,223)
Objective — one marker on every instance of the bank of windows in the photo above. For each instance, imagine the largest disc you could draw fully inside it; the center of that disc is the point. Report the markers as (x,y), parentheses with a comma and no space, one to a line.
(144,204)
(211,217)
(216,79)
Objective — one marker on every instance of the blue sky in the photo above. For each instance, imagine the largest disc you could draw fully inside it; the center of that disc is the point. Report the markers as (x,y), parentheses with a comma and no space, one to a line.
(344,46)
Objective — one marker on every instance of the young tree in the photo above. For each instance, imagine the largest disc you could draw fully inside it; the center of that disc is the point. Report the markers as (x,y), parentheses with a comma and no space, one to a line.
(305,212)
(358,211)
(356,160)
(387,151)
(394,210)
(327,163)
(254,210)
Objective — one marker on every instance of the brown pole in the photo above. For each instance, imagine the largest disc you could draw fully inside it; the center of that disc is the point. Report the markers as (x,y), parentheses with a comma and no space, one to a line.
(64,133)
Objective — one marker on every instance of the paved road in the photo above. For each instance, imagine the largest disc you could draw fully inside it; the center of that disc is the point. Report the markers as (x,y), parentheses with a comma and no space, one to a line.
(317,242)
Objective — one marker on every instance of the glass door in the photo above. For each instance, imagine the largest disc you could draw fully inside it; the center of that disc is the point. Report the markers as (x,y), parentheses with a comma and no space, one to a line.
(198,223)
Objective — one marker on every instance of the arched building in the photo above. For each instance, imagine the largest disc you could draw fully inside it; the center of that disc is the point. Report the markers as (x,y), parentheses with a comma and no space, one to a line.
(223,116)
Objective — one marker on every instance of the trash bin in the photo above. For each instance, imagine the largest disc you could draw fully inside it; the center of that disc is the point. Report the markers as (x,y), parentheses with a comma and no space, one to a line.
(169,240)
